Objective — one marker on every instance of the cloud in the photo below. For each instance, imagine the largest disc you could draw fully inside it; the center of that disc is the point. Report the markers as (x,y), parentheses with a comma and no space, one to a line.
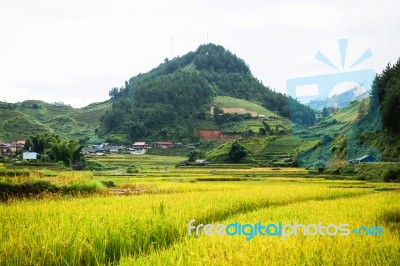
(61,49)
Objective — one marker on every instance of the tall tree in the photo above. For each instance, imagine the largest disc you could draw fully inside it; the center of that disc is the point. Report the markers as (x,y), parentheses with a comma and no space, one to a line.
(362,109)
(237,152)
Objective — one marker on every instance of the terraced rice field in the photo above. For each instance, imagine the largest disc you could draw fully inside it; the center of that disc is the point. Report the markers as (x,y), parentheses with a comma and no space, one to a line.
(151,228)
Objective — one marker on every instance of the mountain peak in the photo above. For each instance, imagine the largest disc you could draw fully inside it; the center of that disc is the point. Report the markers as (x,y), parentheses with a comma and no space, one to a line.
(217,58)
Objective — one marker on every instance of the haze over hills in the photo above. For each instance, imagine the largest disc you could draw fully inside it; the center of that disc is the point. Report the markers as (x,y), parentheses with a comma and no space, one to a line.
(341,100)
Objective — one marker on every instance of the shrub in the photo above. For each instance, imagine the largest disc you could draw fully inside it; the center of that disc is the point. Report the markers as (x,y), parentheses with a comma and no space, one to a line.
(108,183)
(30,187)
(132,170)
(391,174)
(92,165)
(14,173)
(90,187)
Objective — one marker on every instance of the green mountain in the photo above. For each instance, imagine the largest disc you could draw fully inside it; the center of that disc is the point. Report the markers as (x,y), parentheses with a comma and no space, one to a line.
(213,89)
(174,100)
(20,120)
(370,127)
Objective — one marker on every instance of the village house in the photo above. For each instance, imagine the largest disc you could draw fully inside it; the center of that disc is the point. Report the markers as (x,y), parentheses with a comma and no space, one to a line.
(103,149)
(163,144)
(201,162)
(5,148)
(363,159)
(287,160)
(262,117)
(114,148)
(12,148)
(139,147)
(30,155)
(19,146)
(94,150)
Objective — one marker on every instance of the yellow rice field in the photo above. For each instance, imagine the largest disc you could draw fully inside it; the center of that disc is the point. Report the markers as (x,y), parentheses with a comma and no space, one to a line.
(152,228)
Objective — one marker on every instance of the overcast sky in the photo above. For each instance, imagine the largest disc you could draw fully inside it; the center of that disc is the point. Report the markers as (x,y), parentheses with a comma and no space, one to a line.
(75,51)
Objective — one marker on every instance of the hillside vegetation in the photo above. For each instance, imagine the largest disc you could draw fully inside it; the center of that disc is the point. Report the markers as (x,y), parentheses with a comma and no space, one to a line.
(174,99)
(369,127)
(19,121)
(15,125)
(232,105)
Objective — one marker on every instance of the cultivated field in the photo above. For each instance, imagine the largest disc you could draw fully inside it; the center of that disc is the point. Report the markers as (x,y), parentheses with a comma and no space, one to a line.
(150,226)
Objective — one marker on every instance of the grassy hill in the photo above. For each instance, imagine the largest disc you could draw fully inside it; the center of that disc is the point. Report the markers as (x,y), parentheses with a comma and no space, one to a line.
(230,102)
(262,150)
(337,123)
(43,111)
(235,105)
(15,125)
(306,144)
(34,117)
(336,139)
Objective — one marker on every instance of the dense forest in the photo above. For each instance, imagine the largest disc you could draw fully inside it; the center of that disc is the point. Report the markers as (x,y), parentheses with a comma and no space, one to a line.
(382,122)
(387,89)
(172,100)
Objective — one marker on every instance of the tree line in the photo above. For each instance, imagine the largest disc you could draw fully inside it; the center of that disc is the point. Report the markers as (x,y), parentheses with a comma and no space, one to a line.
(52,148)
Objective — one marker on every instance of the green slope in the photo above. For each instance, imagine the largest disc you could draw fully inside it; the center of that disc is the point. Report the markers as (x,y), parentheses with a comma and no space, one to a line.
(43,111)
(306,144)
(34,117)
(263,149)
(254,124)
(15,125)
(339,137)
(339,122)
(231,102)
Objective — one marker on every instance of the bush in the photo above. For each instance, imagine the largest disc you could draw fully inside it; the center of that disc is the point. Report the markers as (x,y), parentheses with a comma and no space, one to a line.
(132,170)
(182,163)
(90,187)
(237,152)
(14,173)
(96,166)
(34,188)
(108,183)
(30,187)
(391,174)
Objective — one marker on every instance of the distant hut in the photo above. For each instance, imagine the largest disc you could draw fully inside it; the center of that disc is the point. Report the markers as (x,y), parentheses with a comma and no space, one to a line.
(201,162)
(363,159)
(30,155)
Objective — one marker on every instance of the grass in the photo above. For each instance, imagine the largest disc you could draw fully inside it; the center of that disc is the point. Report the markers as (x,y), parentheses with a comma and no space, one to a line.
(149,227)
(20,184)
(15,125)
(253,124)
(370,209)
(35,117)
(265,149)
(230,102)
(112,227)
(337,123)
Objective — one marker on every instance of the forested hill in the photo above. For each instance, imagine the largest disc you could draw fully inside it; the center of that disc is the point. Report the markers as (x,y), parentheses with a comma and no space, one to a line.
(174,99)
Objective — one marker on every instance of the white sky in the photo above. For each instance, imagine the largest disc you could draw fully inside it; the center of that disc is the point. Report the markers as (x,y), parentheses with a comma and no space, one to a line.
(75,51)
